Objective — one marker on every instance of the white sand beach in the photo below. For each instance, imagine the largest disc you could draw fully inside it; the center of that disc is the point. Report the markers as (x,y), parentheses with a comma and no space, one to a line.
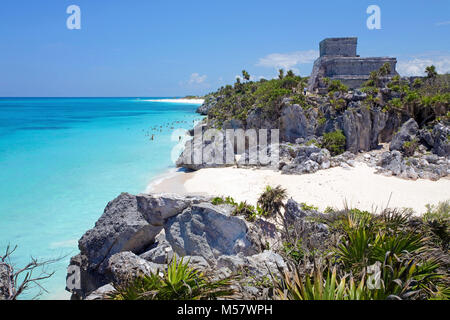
(359,187)
(187,101)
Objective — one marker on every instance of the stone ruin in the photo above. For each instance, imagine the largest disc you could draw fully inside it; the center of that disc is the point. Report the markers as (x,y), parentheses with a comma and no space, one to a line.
(338,61)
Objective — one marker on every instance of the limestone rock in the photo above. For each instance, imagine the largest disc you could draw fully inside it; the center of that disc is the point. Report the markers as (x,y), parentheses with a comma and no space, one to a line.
(101,293)
(441,135)
(209,103)
(296,123)
(263,264)
(156,208)
(159,252)
(122,227)
(362,128)
(293,211)
(407,133)
(125,266)
(197,262)
(203,153)
(208,231)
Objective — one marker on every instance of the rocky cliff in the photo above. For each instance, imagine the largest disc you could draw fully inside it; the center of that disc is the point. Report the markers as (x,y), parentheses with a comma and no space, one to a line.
(139,235)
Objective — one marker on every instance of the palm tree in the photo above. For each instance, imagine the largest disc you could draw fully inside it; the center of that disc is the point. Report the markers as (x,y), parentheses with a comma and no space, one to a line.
(280,74)
(431,72)
(245,75)
(271,200)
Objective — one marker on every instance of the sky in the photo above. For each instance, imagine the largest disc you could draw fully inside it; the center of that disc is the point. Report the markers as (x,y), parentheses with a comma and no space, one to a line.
(152,48)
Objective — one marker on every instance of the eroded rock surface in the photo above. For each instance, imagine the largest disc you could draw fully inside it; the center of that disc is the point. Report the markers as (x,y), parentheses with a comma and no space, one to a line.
(189,227)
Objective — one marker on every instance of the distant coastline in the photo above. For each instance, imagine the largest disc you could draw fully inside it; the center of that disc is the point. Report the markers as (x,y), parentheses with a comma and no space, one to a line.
(179,100)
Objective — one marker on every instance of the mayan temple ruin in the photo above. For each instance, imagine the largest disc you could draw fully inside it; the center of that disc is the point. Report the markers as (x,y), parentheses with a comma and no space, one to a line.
(338,61)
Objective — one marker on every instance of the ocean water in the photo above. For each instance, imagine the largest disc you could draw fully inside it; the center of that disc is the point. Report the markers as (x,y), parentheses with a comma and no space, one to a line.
(63,159)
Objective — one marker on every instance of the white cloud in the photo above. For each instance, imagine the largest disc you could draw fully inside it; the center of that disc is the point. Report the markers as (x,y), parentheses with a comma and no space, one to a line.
(415,66)
(288,60)
(197,79)
(442,23)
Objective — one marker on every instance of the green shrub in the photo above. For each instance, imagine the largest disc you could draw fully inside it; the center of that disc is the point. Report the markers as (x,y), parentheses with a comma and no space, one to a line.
(334,142)
(246,210)
(307,207)
(335,86)
(294,250)
(302,287)
(217,201)
(220,200)
(392,244)
(310,142)
(409,147)
(179,282)
(437,222)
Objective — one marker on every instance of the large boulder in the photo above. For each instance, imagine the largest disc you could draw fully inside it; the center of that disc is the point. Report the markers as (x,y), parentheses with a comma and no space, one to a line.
(157,208)
(160,251)
(362,128)
(294,211)
(392,161)
(124,226)
(304,153)
(305,225)
(203,152)
(208,237)
(126,266)
(407,133)
(265,264)
(129,223)
(296,123)
(209,231)
(102,293)
(210,102)
(441,137)
(258,266)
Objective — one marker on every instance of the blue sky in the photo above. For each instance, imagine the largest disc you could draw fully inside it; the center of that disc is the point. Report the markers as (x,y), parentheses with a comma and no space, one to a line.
(175,48)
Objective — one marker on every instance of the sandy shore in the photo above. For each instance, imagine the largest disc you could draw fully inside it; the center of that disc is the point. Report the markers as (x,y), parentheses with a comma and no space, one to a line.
(188,101)
(359,187)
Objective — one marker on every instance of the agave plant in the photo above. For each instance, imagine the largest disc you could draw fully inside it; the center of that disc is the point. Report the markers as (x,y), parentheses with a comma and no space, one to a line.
(359,232)
(397,244)
(405,277)
(392,220)
(437,222)
(295,287)
(179,282)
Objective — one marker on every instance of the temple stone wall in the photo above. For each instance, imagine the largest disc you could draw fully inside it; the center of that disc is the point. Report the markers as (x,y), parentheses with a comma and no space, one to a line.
(338,61)
(355,66)
(345,47)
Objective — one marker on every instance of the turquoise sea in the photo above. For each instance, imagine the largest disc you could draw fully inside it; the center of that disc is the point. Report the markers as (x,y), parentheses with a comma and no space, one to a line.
(63,159)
